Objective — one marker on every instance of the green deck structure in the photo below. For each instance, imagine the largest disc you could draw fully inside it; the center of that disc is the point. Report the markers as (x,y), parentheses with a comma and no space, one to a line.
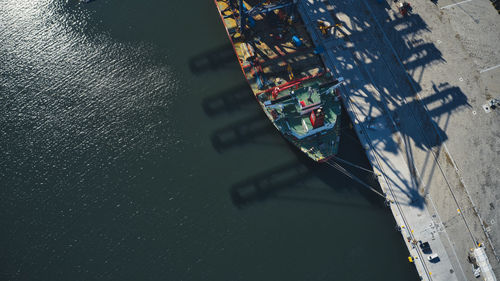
(290,112)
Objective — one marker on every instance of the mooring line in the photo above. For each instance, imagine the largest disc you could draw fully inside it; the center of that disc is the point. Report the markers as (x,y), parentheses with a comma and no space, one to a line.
(353,165)
(353,177)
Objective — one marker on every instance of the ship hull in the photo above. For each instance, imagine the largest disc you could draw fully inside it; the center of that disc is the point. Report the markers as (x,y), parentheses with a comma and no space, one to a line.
(259,55)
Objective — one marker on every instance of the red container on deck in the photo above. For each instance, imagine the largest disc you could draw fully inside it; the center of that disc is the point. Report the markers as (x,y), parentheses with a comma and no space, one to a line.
(317,118)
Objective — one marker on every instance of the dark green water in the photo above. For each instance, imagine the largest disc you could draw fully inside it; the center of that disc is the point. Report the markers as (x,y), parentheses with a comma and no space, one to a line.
(125,128)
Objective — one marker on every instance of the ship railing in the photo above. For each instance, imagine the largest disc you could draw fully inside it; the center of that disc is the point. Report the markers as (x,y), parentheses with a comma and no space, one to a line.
(325,127)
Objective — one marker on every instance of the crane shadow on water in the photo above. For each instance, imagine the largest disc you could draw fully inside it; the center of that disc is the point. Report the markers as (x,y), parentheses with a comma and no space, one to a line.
(213,59)
(302,173)
(252,127)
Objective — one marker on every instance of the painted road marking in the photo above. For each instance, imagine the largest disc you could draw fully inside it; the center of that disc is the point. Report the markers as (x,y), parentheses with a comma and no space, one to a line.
(489,68)
(451,5)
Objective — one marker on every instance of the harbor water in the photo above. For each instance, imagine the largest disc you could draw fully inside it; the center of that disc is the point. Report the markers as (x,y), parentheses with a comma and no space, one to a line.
(131,148)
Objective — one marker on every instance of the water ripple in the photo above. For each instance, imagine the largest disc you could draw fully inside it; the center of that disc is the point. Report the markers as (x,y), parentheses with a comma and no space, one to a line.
(74,100)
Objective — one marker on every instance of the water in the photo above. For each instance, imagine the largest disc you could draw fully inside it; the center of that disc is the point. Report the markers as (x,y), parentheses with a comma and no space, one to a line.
(122,144)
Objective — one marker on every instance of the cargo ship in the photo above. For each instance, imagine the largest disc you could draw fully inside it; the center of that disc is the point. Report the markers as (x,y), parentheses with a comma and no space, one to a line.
(285,72)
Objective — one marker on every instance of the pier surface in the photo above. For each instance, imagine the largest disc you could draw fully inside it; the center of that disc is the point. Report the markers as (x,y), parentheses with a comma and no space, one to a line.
(416,86)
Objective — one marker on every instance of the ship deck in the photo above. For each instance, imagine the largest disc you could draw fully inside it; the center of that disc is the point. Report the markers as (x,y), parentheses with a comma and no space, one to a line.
(302,123)
(273,51)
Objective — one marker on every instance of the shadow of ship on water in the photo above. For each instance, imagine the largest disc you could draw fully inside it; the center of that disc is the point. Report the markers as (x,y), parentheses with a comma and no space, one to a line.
(274,183)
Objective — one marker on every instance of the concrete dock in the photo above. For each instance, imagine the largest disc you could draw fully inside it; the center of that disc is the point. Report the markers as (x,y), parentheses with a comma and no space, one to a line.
(416,89)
